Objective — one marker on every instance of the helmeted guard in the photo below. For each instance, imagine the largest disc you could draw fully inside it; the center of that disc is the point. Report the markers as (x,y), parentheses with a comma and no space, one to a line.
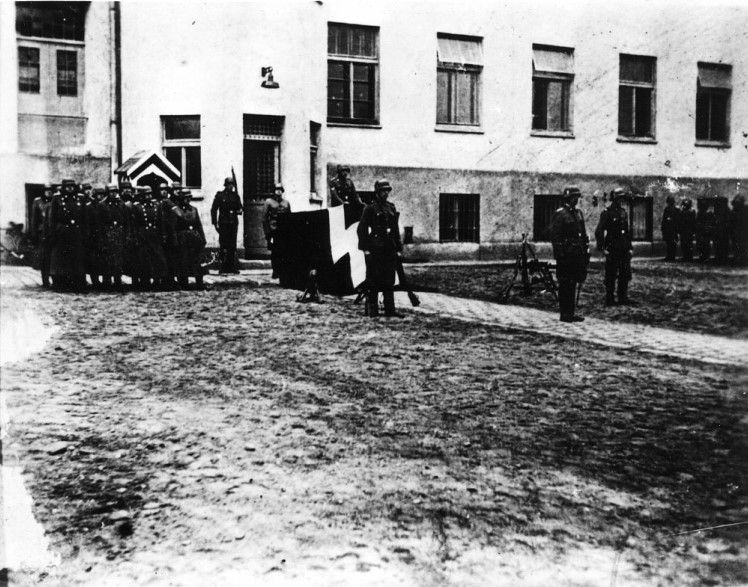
(686,229)
(275,209)
(571,251)
(190,241)
(379,239)
(613,235)
(39,232)
(224,215)
(149,235)
(669,226)
(68,233)
(113,228)
(342,189)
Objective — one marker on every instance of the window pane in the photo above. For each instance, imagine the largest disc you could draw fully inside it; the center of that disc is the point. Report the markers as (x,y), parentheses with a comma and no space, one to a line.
(59,20)
(336,70)
(181,127)
(637,69)
(466,96)
(67,73)
(539,104)
(702,115)
(174,155)
(442,97)
(719,117)
(625,110)
(363,110)
(643,125)
(193,171)
(362,42)
(556,106)
(337,39)
(28,69)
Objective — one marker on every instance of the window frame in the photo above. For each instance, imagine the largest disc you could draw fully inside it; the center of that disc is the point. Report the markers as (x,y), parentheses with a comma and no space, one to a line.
(567,86)
(462,234)
(711,92)
(349,61)
(63,84)
(453,69)
(315,131)
(648,204)
(27,64)
(183,144)
(633,137)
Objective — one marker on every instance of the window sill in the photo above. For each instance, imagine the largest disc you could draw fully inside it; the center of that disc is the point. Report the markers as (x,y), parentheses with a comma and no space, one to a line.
(553,134)
(24,39)
(459,128)
(354,125)
(643,140)
(713,144)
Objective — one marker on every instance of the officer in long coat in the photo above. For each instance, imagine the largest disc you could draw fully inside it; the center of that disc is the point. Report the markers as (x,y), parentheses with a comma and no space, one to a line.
(342,188)
(686,229)
(39,232)
(571,251)
(113,228)
(613,235)
(224,215)
(189,241)
(67,234)
(379,239)
(149,234)
(669,226)
(274,210)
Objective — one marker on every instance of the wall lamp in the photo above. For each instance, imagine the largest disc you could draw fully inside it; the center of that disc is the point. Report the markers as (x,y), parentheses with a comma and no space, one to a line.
(269,82)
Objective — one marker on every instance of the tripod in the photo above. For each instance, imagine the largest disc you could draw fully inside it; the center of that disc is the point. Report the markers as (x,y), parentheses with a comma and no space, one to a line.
(531,272)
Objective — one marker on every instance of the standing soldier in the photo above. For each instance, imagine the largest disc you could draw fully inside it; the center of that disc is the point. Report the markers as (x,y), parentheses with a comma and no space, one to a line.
(149,235)
(739,229)
(342,190)
(704,228)
(379,239)
(39,237)
(721,230)
(275,208)
(686,229)
(670,228)
(190,241)
(93,242)
(113,227)
(224,215)
(613,237)
(67,233)
(571,251)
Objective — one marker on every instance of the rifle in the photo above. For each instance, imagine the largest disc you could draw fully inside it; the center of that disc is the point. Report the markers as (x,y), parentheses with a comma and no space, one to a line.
(414,301)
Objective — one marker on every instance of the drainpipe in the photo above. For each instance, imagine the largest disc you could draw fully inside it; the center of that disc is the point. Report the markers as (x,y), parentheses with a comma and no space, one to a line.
(116,85)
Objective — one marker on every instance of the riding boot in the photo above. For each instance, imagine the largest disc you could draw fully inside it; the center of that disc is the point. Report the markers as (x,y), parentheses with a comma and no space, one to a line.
(389,304)
(372,303)
(623,298)
(609,293)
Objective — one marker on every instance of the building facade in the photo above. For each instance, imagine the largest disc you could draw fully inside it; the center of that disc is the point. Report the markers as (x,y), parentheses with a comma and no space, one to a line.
(477,114)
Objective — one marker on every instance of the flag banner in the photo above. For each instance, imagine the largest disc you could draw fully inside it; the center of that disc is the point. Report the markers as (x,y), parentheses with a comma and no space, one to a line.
(325,240)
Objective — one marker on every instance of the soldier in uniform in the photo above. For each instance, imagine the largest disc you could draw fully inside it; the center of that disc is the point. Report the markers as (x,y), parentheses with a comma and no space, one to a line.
(224,215)
(571,251)
(669,227)
(149,235)
(67,234)
(721,230)
(739,229)
(704,228)
(274,209)
(190,241)
(168,204)
(379,239)
(686,230)
(93,242)
(39,237)
(113,228)
(342,190)
(613,236)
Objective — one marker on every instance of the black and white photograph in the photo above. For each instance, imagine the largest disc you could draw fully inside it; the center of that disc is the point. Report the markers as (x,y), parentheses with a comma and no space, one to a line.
(345,293)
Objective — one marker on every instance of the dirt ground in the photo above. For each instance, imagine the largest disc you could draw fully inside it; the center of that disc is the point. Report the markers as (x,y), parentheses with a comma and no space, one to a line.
(235,437)
(693,297)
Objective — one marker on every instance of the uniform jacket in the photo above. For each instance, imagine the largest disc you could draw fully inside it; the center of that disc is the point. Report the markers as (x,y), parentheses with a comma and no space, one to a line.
(669,223)
(378,230)
(39,219)
(687,223)
(273,209)
(343,191)
(613,233)
(227,206)
(569,234)
(68,230)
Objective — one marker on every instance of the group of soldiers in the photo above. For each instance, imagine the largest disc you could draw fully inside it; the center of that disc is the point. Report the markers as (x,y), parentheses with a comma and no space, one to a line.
(715,229)
(153,235)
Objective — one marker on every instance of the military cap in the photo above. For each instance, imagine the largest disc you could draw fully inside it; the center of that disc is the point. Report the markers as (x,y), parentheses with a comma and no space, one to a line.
(617,193)
(163,184)
(279,186)
(86,186)
(344,168)
(382,184)
(125,184)
(571,191)
(175,185)
(48,186)
(68,182)
(228,181)
(112,187)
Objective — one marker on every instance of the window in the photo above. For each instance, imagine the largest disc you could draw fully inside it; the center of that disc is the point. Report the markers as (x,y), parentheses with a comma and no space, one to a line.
(640,218)
(458,68)
(552,75)
(67,73)
(636,97)
(262,157)
(352,74)
(52,20)
(459,217)
(28,70)
(181,145)
(714,87)
(314,132)
(544,205)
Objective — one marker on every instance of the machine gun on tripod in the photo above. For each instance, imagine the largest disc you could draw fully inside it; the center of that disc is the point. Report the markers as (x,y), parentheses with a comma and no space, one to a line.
(531,271)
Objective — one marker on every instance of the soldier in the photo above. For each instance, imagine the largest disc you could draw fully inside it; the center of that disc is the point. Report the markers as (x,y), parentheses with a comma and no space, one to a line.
(39,232)
(686,230)
(342,190)
(224,215)
(571,251)
(739,229)
(168,204)
(721,230)
(613,237)
(113,227)
(93,242)
(190,241)
(275,208)
(126,192)
(149,235)
(669,227)
(67,234)
(379,239)
(704,228)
